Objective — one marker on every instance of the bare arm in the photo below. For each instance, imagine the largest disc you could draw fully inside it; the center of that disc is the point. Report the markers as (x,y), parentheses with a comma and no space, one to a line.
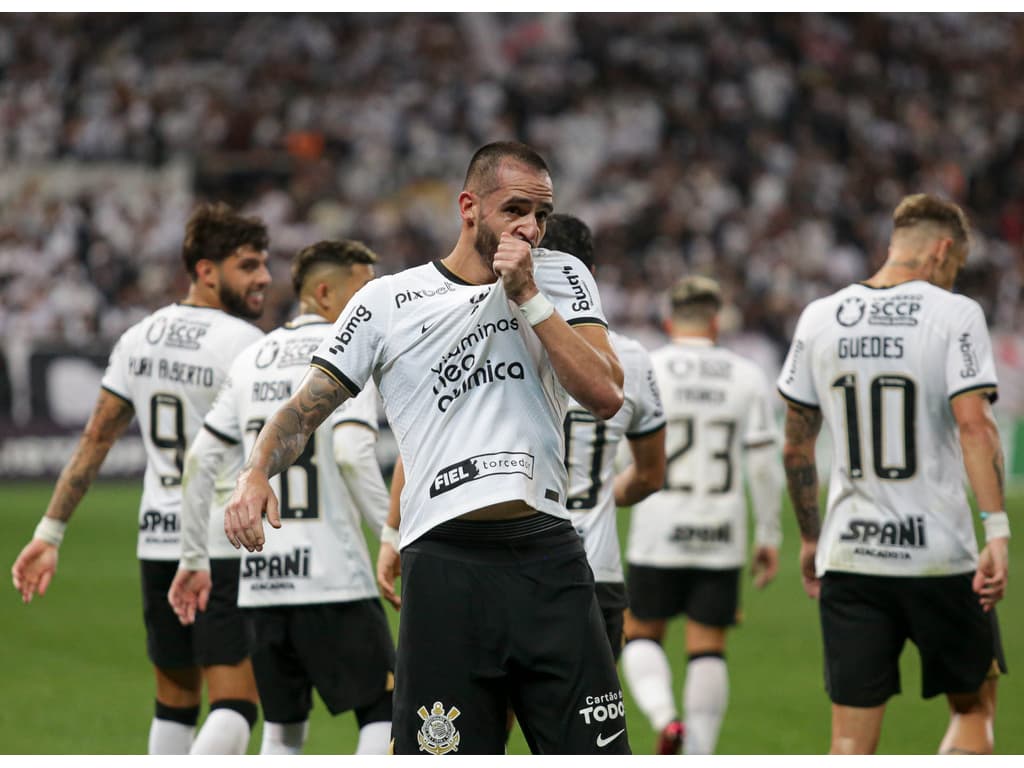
(110,417)
(582,357)
(37,563)
(647,472)
(279,444)
(389,560)
(802,428)
(983,461)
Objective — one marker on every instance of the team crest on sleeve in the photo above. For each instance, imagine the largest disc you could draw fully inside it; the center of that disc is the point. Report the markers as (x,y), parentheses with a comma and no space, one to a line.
(438,735)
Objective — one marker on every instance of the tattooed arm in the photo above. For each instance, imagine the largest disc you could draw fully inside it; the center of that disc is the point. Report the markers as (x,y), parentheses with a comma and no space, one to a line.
(37,563)
(279,444)
(802,428)
(983,460)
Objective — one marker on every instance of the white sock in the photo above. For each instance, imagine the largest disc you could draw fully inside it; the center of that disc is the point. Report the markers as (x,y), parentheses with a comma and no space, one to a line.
(650,680)
(374,738)
(284,738)
(225,732)
(167,737)
(705,697)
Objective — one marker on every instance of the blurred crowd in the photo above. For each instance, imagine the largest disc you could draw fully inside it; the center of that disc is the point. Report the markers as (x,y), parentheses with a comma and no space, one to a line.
(766,150)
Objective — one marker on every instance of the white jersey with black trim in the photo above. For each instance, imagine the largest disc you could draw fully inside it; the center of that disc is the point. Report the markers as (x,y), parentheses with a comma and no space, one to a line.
(590,449)
(319,554)
(716,405)
(882,364)
(467,386)
(170,366)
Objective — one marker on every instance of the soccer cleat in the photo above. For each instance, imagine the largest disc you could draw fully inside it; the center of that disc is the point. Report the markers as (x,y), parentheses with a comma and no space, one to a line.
(670,740)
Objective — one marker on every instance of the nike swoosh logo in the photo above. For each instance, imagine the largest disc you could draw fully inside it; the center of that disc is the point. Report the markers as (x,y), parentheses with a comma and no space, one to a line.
(425,327)
(604,742)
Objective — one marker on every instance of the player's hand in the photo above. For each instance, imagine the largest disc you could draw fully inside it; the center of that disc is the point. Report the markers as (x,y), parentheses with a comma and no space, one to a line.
(34,568)
(993,573)
(765,565)
(389,563)
(243,516)
(812,584)
(189,591)
(513,263)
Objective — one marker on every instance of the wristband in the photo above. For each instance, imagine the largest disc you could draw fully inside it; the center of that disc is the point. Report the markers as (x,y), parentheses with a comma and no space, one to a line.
(51,531)
(389,535)
(997,525)
(537,310)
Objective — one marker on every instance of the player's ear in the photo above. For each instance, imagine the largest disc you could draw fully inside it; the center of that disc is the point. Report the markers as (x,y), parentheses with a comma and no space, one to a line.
(322,294)
(206,273)
(468,203)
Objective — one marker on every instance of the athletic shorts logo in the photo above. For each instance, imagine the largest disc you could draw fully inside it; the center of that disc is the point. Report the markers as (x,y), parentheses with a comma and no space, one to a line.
(850,311)
(604,741)
(438,735)
(484,465)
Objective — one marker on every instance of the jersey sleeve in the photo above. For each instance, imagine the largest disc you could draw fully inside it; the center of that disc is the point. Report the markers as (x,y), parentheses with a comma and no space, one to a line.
(352,349)
(222,418)
(760,428)
(795,382)
(570,286)
(969,362)
(649,414)
(116,379)
(361,409)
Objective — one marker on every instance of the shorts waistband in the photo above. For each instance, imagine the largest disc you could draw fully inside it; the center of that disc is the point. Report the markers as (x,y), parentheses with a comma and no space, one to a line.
(539,536)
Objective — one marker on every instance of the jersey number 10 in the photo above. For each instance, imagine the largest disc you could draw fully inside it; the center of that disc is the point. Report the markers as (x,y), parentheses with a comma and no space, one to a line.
(880,385)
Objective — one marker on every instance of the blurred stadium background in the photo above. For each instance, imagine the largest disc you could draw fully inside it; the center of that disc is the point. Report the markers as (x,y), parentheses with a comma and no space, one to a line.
(765,150)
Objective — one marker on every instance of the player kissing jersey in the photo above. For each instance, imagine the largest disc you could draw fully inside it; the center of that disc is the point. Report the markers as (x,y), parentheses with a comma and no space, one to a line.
(319,555)
(715,404)
(590,449)
(170,366)
(882,365)
(437,391)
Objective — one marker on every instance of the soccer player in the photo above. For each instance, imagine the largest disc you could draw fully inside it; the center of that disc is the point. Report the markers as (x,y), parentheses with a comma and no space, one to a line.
(901,370)
(473,355)
(166,371)
(310,593)
(687,543)
(594,490)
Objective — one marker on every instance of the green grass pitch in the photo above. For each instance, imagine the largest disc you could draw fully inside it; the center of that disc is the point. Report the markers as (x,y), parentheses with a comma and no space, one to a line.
(76,678)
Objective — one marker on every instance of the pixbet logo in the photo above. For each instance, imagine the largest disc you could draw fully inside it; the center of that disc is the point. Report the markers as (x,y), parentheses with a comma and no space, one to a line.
(406,296)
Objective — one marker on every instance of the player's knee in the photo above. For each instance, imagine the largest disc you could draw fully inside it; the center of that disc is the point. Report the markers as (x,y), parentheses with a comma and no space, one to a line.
(247,709)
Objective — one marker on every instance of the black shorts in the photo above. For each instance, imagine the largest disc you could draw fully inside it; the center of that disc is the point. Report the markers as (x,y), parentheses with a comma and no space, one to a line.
(865,620)
(492,618)
(611,598)
(344,650)
(219,636)
(708,596)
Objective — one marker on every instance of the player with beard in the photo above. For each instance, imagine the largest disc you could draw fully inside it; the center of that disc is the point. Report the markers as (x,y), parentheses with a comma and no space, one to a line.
(166,371)
(474,356)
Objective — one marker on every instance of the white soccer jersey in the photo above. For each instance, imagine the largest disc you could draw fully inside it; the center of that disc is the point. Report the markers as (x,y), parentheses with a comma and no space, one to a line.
(467,386)
(716,404)
(169,367)
(319,554)
(590,448)
(883,364)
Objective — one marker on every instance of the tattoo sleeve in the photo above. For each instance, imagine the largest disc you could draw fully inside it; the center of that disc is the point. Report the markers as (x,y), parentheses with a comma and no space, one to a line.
(283,438)
(109,419)
(802,428)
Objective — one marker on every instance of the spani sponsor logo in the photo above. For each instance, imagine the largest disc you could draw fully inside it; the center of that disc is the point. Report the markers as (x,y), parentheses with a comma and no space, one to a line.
(161,522)
(294,565)
(908,533)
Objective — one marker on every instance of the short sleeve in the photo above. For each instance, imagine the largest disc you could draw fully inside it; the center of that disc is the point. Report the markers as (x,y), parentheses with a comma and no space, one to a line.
(795,382)
(969,363)
(222,418)
(649,414)
(351,350)
(760,424)
(361,409)
(570,286)
(116,378)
